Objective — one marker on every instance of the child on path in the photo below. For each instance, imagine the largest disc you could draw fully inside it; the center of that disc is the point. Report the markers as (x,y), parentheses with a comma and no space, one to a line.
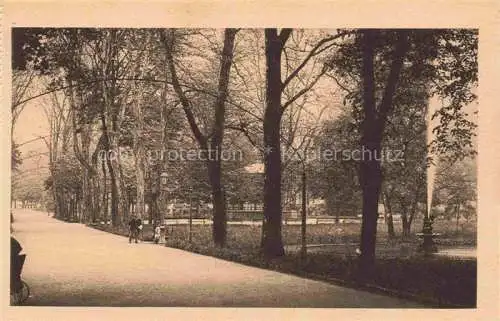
(157,234)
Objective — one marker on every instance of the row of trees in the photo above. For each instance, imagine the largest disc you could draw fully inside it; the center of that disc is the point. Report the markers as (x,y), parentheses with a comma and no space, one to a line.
(261,91)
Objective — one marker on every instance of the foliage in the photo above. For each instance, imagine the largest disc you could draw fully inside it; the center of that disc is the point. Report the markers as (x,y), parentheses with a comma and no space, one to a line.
(67,173)
(335,177)
(29,193)
(16,159)
(381,70)
(27,46)
(439,62)
(456,190)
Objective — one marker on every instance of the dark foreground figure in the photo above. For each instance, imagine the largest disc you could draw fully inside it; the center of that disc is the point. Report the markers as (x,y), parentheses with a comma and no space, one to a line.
(135,229)
(19,290)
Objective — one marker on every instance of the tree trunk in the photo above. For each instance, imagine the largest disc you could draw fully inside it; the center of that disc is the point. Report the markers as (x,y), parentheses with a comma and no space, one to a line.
(406,227)
(55,194)
(85,186)
(71,208)
(372,129)
(272,243)
(156,208)
(111,117)
(82,152)
(388,216)
(404,219)
(303,230)
(139,158)
(151,212)
(214,167)
(105,205)
(219,228)
(64,199)
(87,204)
(113,162)
(58,208)
(413,208)
(372,181)
(115,195)
(96,200)
(337,217)
(370,172)
(216,136)
(125,197)
(78,208)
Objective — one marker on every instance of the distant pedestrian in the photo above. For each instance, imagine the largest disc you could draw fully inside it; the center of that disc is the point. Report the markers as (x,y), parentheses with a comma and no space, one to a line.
(157,231)
(139,228)
(133,230)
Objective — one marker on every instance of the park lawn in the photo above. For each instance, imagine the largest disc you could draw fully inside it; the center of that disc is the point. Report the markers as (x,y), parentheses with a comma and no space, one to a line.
(248,236)
(399,270)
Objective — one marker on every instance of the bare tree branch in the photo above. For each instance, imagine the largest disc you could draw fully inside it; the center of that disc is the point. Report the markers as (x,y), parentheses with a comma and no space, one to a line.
(284,34)
(303,91)
(314,52)
(186,106)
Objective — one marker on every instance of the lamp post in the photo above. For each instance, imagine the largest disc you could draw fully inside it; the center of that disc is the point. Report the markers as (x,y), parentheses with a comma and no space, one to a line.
(189,190)
(303,227)
(169,188)
(428,247)
(303,249)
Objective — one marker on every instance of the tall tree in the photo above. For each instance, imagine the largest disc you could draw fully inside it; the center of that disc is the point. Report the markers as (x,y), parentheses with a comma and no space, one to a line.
(442,62)
(272,243)
(302,68)
(275,42)
(336,174)
(210,143)
(455,193)
(57,114)
(374,119)
(404,171)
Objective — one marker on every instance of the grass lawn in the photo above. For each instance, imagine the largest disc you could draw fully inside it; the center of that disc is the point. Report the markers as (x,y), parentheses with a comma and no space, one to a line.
(400,270)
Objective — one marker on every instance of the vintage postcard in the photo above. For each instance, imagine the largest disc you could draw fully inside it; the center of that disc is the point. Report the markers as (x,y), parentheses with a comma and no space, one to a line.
(187,159)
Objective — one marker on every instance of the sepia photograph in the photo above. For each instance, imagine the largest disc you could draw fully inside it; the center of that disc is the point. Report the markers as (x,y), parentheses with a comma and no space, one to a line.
(204,161)
(250,167)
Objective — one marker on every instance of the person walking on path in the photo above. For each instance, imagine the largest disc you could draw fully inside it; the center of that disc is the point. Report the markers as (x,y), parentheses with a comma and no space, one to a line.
(133,229)
(138,223)
(156,235)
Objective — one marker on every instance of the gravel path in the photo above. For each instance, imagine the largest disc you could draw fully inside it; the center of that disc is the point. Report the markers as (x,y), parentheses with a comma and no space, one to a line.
(70,264)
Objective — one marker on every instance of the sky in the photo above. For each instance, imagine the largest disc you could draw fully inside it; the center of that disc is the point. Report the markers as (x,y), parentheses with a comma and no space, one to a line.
(31,124)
